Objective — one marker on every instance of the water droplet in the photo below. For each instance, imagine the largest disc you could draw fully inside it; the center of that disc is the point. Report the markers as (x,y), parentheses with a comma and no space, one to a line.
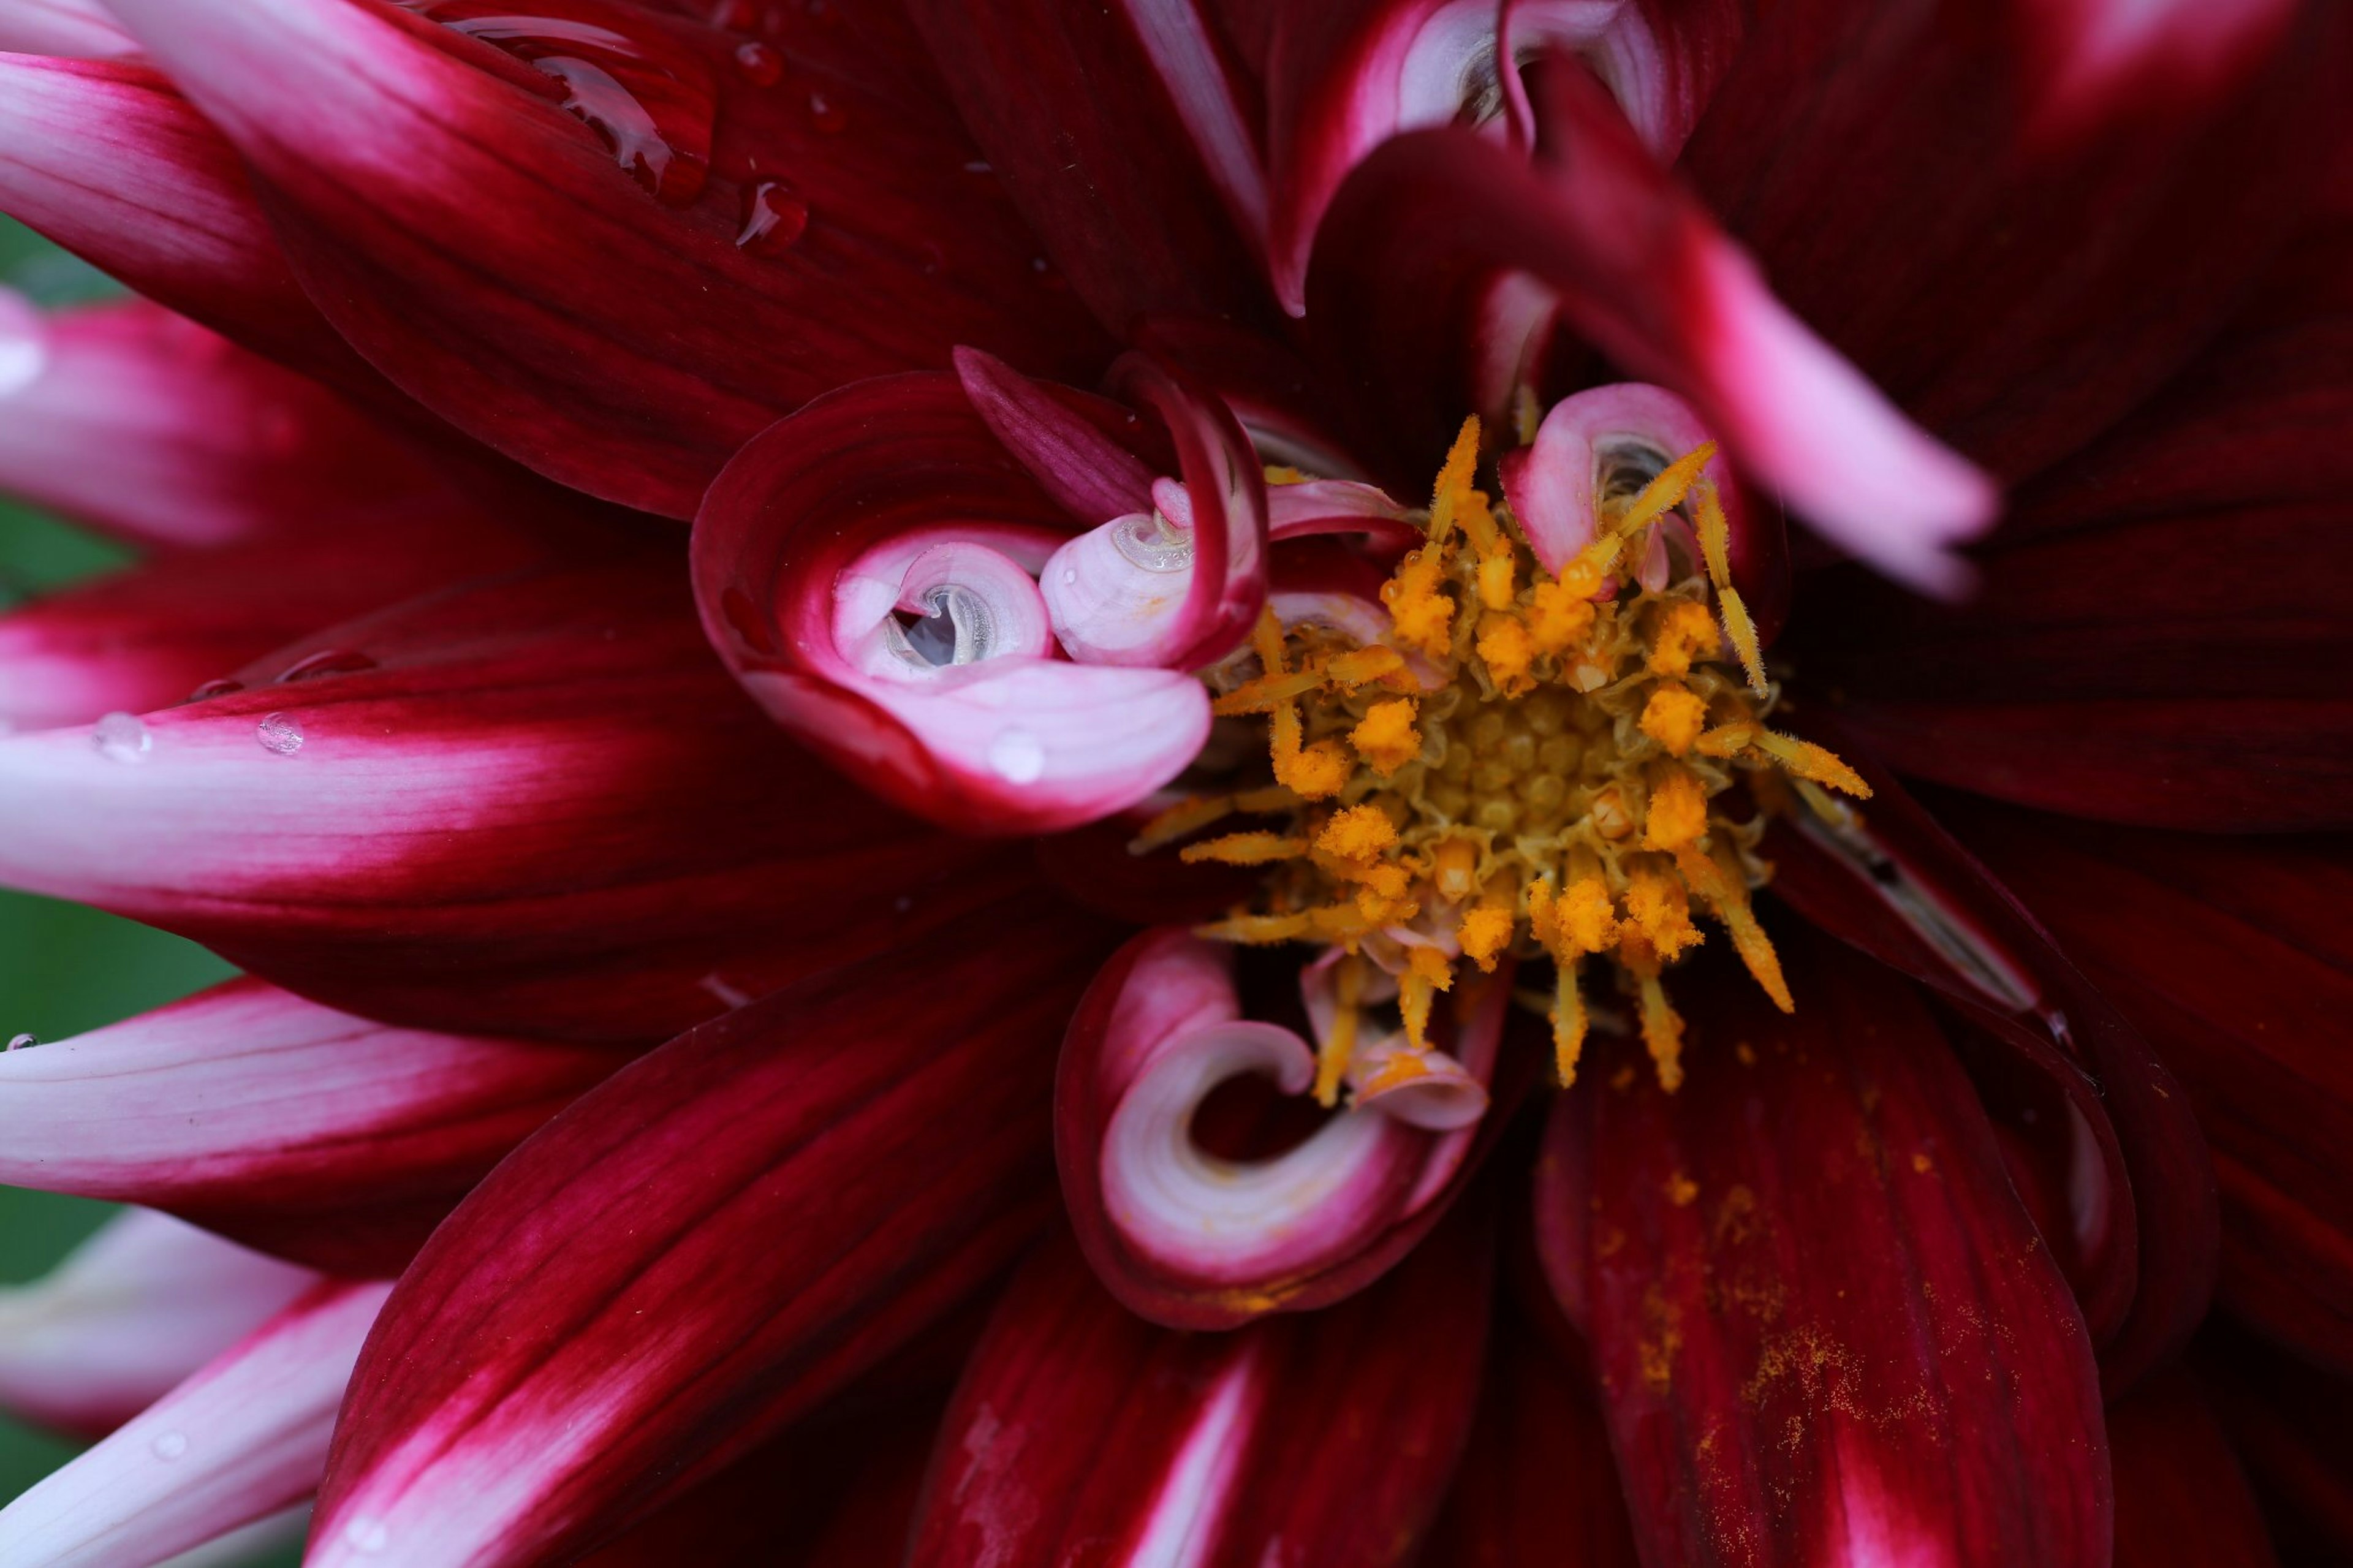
(979,167)
(23,1042)
(1017,757)
(212,688)
(24,345)
(761,65)
(735,15)
(1070,575)
(122,737)
(774,219)
(325,662)
(368,1533)
(829,116)
(170,1445)
(281,733)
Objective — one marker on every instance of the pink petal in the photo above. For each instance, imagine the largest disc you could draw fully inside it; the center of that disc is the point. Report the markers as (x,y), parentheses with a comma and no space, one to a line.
(1194,1241)
(2139,1235)
(144,424)
(74,29)
(1082,1433)
(138,1307)
(239,1440)
(1825,1329)
(1127,137)
(109,160)
(1648,279)
(707,1245)
(796,543)
(307,1133)
(621,340)
(1554,485)
(533,806)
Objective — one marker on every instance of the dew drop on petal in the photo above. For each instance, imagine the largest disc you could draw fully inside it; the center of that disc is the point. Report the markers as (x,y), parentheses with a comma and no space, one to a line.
(325,662)
(212,688)
(23,1042)
(828,115)
(122,737)
(1017,757)
(281,733)
(761,65)
(774,219)
(735,15)
(23,343)
(170,1444)
(368,1533)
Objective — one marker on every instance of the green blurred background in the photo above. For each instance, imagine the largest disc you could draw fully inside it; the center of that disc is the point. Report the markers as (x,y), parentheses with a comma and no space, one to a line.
(63,968)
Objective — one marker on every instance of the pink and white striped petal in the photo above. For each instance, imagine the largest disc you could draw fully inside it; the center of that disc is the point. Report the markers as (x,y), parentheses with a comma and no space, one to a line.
(1082,1433)
(136,1309)
(1628,430)
(241,1440)
(706,1247)
(70,29)
(533,806)
(1196,1239)
(801,562)
(308,1134)
(142,423)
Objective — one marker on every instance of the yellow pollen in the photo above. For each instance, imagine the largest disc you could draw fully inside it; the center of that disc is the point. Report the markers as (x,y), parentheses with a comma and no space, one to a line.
(1568,790)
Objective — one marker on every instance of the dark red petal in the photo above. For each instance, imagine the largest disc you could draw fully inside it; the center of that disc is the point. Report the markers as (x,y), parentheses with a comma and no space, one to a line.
(1161,998)
(2181,1500)
(1417,237)
(2234,957)
(1825,1329)
(110,162)
(1083,1433)
(2020,222)
(301,1131)
(1014,744)
(1537,1483)
(2142,1231)
(2286,1419)
(532,807)
(705,1246)
(813,219)
(1129,138)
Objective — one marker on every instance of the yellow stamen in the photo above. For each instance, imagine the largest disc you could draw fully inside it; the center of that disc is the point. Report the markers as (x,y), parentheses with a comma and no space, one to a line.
(1685,631)
(1809,761)
(1662,1032)
(1509,651)
(1427,973)
(1715,533)
(1666,492)
(1741,631)
(1677,813)
(1658,915)
(1447,496)
(1359,833)
(1568,1024)
(1337,1049)
(1243,849)
(1180,821)
(1484,934)
(1674,717)
(1282,474)
(1386,737)
(1421,614)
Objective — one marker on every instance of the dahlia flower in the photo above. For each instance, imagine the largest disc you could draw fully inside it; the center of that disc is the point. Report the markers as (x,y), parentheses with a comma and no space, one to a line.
(1193,780)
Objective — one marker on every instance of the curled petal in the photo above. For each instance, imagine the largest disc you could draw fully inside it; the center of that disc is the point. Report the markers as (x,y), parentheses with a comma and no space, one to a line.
(2141,1232)
(1083,1433)
(652,296)
(108,160)
(532,807)
(1428,1090)
(1194,1241)
(307,1133)
(1011,743)
(1628,429)
(1824,1327)
(1644,274)
(706,1247)
(138,1307)
(241,1440)
(1339,506)
(144,424)
(1069,443)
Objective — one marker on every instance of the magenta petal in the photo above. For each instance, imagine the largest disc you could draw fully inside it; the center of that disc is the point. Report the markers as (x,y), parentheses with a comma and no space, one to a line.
(1647,276)
(1083,1433)
(800,555)
(533,806)
(1826,1329)
(72,29)
(2144,1230)
(139,1306)
(112,163)
(238,1441)
(306,1132)
(1066,443)
(1196,1240)
(620,340)
(709,1244)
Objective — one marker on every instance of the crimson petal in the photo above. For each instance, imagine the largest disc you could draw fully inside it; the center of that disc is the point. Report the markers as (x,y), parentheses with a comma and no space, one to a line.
(2235,958)
(532,807)
(1891,881)
(1079,1430)
(1825,1328)
(706,1245)
(812,218)
(305,1132)
(2181,1499)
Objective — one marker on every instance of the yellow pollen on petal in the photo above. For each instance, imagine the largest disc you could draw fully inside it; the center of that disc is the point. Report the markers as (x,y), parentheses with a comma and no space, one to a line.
(1571,768)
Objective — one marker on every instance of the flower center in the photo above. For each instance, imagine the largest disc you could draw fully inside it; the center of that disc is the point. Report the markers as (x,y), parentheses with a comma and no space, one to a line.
(1571,768)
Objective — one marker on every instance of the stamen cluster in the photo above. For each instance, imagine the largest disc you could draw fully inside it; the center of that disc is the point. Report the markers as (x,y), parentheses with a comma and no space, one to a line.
(1529,766)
